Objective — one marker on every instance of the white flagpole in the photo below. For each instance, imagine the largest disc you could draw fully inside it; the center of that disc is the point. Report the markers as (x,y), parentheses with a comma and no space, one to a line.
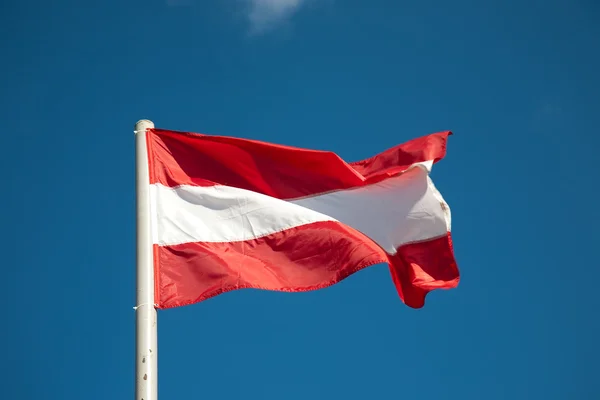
(146,366)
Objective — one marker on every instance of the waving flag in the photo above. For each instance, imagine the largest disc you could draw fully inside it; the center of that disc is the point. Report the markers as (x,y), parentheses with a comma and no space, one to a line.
(230,213)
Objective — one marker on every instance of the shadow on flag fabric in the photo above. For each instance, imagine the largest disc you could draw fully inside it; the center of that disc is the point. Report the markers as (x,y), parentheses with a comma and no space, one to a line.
(229,213)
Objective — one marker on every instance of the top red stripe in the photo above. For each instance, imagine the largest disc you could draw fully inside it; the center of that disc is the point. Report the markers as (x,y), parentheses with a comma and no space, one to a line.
(183,158)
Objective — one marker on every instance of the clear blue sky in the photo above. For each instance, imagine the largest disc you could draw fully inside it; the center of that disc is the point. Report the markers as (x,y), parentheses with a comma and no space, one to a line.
(517,81)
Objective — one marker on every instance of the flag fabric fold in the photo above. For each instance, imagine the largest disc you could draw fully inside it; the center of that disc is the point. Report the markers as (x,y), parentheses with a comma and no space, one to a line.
(231,213)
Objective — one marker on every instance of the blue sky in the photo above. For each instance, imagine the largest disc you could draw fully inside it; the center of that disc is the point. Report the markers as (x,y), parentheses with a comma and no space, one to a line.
(517,82)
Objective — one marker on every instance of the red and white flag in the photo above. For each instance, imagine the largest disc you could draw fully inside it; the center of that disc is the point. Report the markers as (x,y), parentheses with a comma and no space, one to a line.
(230,213)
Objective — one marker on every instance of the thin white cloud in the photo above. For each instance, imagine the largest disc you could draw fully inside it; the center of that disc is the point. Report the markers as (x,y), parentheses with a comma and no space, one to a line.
(266,14)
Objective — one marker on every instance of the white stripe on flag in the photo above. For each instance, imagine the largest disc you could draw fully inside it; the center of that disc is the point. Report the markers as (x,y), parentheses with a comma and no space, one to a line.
(399,210)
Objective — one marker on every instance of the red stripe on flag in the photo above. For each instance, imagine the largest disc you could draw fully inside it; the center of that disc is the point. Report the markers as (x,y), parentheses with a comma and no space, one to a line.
(303,258)
(179,158)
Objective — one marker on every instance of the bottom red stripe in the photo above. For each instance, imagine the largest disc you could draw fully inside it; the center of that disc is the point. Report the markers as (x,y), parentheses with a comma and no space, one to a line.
(304,258)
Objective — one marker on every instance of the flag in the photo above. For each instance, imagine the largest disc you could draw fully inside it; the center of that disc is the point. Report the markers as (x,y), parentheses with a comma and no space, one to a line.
(230,213)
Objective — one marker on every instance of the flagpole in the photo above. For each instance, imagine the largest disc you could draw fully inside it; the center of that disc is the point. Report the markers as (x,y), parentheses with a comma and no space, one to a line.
(146,366)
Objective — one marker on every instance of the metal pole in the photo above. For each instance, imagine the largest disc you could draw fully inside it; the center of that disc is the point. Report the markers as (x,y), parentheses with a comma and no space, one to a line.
(146,366)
